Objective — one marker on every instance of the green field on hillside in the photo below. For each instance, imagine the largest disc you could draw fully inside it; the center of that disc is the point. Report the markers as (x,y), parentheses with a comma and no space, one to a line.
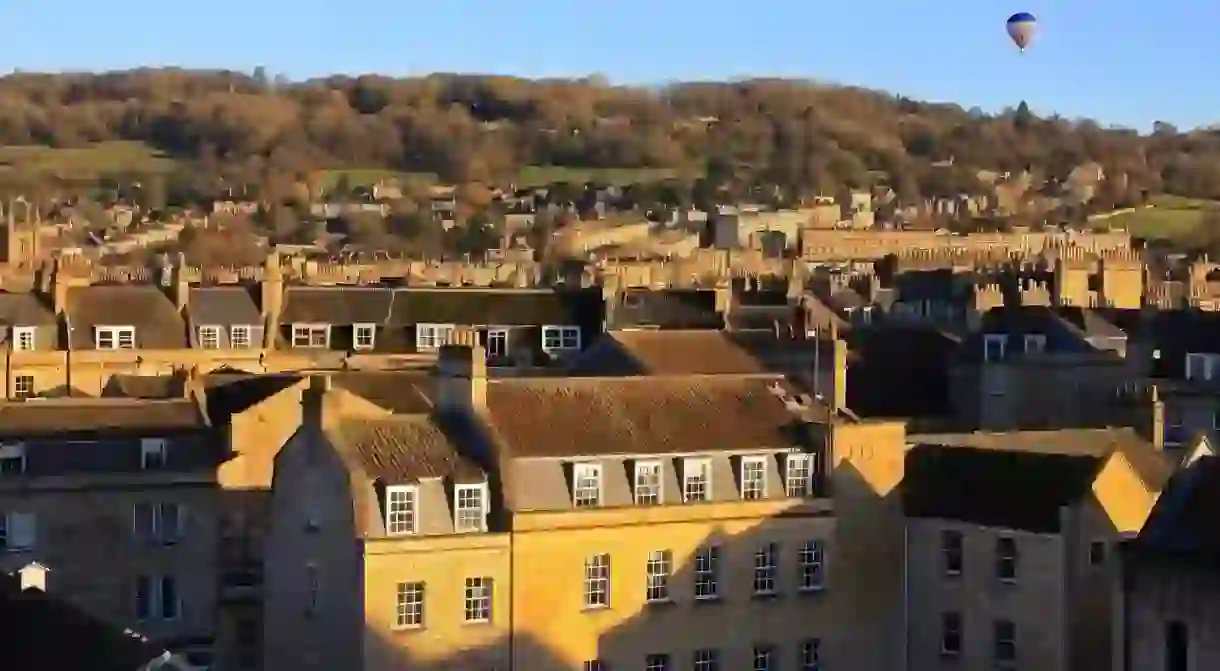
(529,176)
(82,163)
(1169,217)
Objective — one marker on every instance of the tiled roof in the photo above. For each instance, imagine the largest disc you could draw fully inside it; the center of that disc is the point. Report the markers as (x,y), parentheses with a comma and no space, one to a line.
(155,318)
(336,305)
(667,309)
(230,393)
(144,386)
(53,417)
(498,307)
(222,306)
(1185,522)
(24,309)
(666,353)
(404,449)
(397,392)
(638,415)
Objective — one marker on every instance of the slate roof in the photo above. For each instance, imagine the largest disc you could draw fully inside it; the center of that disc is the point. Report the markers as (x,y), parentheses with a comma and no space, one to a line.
(231,393)
(1183,525)
(42,633)
(398,392)
(24,309)
(336,305)
(1067,329)
(667,309)
(145,386)
(900,372)
(55,417)
(1175,333)
(222,306)
(1018,480)
(463,306)
(155,318)
(404,450)
(666,353)
(563,417)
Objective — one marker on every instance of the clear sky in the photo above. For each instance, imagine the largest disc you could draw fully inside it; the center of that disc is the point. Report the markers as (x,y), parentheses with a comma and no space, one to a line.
(1121,61)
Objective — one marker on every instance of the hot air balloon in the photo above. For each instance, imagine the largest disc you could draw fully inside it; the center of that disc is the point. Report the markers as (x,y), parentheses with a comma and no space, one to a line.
(1021,29)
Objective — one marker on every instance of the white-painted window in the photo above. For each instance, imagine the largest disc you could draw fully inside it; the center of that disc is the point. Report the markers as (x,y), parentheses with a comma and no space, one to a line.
(23,386)
(1004,644)
(24,338)
(114,337)
(560,338)
(154,453)
(401,510)
(951,634)
(477,607)
(410,606)
(1204,367)
(1006,558)
(657,571)
(798,475)
(951,552)
(707,572)
(497,342)
(12,459)
(209,337)
(811,655)
(159,523)
(156,597)
(587,485)
(1035,343)
(657,662)
(470,508)
(310,335)
(18,531)
(707,660)
(239,336)
(753,478)
(764,658)
(597,581)
(364,336)
(647,483)
(812,565)
(766,562)
(432,336)
(995,347)
(696,480)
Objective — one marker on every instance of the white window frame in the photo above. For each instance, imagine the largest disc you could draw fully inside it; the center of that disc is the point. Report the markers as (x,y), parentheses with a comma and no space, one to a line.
(156,597)
(209,332)
(23,386)
(798,475)
(1006,564)
(584,475)
(657,661)
(1207,364)
(10,453)
(999,641)
(241,336)
(409,601)
(20,532)
(159,531)
(764,657)
(465,523)
(430,337)
(950,627)
(995,347)
(1034,343)
(404,520)
(560,339)
(766,569)
(25,338)
(811,655)
(707,659)
(866,314)
(657,571)
(753,488)
(497,342)
(952,551)
(696,471)
(477,603)
(154,453)
(114,337)
(811,563)
(597,581)
(303,335)
(359,330)
(648,484)
(707,573)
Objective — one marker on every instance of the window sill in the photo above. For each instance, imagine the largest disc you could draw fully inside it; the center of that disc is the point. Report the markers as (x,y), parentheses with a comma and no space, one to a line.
(475,623)
(764,596)
(812,590)
(708,599)
(1010,582)
(406,628)
(659,603)
(595,609)
(950,656)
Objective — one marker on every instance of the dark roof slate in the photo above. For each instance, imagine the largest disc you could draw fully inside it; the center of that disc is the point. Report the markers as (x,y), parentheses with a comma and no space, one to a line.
(222,306)
(155,318)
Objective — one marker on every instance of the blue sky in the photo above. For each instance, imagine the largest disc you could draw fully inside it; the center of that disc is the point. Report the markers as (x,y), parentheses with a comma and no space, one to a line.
(1119,61)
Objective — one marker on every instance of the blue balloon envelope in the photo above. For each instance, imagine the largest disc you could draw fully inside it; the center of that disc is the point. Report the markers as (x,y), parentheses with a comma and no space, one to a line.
(1021,29)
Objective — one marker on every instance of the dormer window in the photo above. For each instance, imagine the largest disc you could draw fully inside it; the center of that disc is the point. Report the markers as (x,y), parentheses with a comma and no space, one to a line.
(866,314)
(1035,343)
(239,336)
(310,335)
(401,510)
(363,336)
(153,453)
(696,480)
(798,475)
(995,346)
(114,337)
(23,338)
(432,336)
(470,508)
(12,459)
(586,485)
(647,483)
(560,339)
(753,478)
(1203,367)
(209,337)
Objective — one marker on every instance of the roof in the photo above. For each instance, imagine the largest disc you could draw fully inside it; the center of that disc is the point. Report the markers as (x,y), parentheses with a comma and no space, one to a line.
(145,386)
(58,417)
(42,633)
(155,318)
(24,309)
(1175,333)
(1066,329)
(231,393)
(666,353)
(398,392)
(917,356)
(563,417)
(1019,480)
(667,309)
(222,306)
(499,307)
(336,305)
(403,450)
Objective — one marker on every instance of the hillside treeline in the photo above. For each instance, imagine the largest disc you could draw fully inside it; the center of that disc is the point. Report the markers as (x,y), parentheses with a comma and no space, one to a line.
(803,137)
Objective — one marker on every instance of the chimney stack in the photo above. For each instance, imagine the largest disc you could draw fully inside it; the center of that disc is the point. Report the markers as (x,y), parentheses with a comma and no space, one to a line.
(462,386)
